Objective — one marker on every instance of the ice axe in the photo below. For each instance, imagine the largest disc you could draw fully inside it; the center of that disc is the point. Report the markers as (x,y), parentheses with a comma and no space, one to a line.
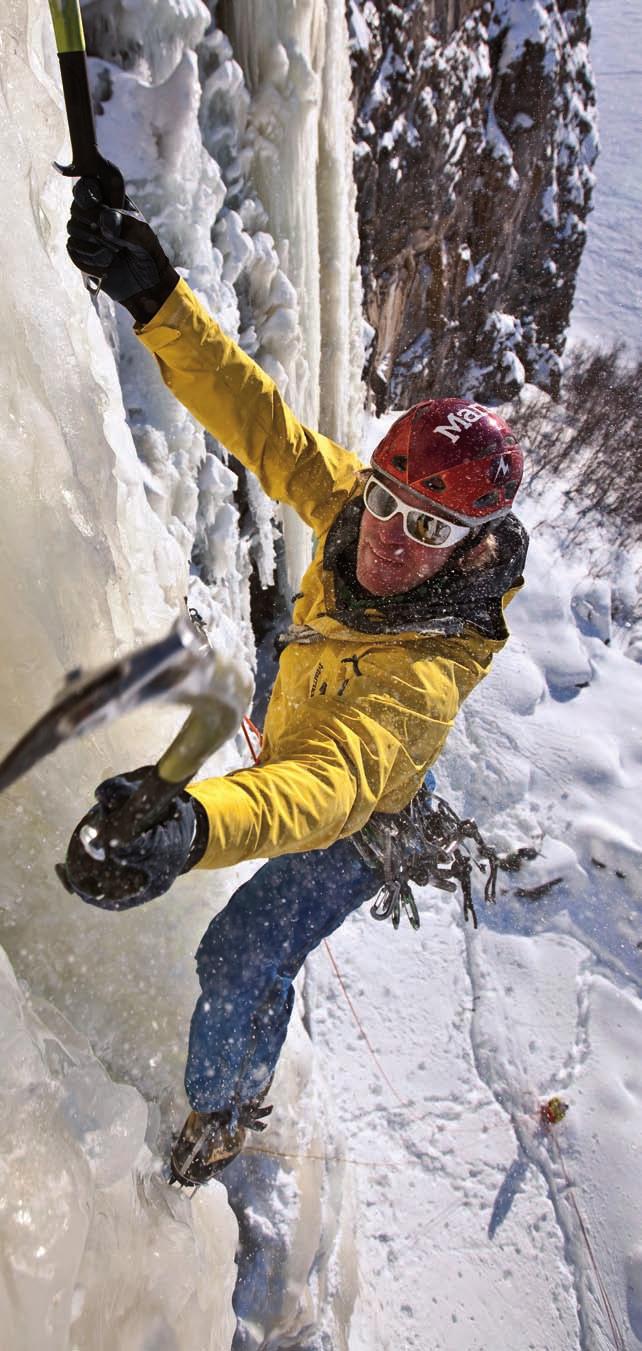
(181,667)
(87,162)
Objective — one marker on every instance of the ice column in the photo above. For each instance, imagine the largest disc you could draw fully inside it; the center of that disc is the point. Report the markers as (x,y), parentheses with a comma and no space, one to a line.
(341,307)
(296,63)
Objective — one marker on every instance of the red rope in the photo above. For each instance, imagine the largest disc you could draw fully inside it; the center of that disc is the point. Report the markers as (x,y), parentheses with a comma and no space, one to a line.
(618,1338)
(248,726)
(402,1101)
(360,1025)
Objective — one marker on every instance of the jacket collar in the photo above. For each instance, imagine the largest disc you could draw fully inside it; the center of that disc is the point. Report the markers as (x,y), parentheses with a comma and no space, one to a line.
(445,604)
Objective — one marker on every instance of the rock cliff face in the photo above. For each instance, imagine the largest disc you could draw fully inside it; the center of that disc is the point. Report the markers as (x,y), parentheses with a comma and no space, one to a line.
(475,129)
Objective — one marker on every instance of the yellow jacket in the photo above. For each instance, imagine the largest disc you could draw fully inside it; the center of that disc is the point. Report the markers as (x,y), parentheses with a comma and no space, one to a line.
(355,718)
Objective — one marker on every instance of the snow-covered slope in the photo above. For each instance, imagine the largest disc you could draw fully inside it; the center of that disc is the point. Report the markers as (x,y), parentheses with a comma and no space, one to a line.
(608,302)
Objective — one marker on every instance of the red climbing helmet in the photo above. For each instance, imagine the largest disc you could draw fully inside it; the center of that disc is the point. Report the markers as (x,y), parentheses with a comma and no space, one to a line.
(459,456)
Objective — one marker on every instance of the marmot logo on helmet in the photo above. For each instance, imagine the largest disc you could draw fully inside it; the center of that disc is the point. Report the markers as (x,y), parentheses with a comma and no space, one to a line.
(500,470)
(459,421)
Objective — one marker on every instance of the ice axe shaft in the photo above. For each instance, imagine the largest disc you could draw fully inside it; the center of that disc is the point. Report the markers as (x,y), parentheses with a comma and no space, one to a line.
(86,158)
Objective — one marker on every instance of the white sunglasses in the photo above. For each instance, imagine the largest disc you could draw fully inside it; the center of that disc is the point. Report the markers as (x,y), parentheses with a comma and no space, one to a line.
(432,531)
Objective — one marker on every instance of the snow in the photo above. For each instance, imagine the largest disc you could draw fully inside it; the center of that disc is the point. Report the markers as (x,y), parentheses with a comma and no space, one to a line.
(609,291)
(360,29)
(528,21)
(412,1201)
(499,146)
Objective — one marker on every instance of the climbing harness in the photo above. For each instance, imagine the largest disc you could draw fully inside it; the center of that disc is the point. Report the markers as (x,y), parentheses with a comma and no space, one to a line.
(429,844)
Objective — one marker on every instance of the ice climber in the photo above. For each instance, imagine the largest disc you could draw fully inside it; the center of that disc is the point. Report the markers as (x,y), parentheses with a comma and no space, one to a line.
(397,619)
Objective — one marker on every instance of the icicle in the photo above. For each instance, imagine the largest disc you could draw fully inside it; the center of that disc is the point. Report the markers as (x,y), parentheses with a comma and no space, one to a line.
(296,62)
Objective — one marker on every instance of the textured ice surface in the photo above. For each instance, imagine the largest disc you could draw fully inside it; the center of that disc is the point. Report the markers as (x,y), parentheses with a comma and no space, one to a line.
(299,146)
(88,569)
(150,35)
(97,1251)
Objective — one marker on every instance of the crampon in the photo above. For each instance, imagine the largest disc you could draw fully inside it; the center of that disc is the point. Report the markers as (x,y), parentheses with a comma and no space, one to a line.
(211,1140)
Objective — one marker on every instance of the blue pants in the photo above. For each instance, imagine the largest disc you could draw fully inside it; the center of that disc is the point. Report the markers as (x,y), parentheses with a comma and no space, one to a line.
(248,959)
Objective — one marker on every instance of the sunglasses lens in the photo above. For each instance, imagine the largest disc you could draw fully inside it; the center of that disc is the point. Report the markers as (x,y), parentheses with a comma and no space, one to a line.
(428,529)
(422,526)
(379,501)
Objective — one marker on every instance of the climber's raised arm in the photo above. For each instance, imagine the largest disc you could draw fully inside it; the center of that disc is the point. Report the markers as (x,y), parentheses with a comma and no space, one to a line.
(207,371)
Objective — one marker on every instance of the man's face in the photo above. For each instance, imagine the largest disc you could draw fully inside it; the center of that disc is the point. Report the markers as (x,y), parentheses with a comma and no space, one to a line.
(388,561)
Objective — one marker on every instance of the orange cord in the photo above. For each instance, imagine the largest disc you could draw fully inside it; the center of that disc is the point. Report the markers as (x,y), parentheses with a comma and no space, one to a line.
(248,726)
(376,1061)
(618,1338)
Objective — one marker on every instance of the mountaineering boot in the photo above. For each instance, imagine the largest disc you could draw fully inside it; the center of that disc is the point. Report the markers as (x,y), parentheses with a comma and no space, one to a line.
(210,1140)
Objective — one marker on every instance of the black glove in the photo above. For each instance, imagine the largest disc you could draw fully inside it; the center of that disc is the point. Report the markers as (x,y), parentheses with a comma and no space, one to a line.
(127,874)
(120,249)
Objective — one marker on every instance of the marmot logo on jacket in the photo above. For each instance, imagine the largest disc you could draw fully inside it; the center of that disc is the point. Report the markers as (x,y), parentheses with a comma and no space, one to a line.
(319,686)
(318,672)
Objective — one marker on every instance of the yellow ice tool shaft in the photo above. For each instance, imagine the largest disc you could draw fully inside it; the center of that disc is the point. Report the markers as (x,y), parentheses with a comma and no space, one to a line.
(67,22)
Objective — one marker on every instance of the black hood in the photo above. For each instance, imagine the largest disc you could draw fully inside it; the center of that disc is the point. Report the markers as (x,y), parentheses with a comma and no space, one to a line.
(444,604)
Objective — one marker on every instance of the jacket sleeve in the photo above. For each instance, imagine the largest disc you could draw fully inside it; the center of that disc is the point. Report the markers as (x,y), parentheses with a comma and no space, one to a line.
(337,764)
(241,406)
(324,783)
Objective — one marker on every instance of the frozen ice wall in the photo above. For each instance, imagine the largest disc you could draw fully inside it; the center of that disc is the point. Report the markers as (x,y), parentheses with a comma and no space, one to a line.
(115,505)
(88,569)
(97,1251)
